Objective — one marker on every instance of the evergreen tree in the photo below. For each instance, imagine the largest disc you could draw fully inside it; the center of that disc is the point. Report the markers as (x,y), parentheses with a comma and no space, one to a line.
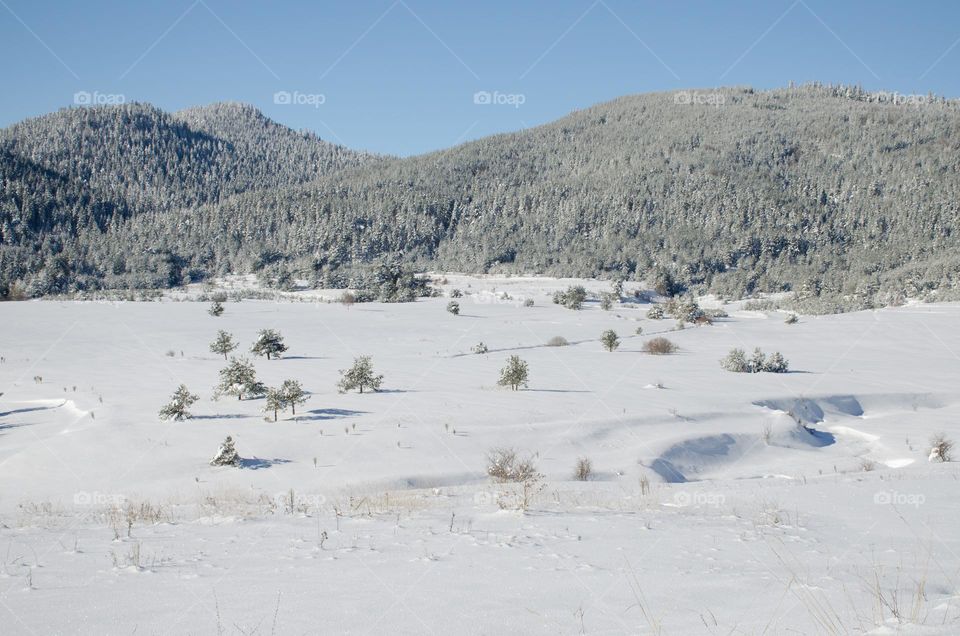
(176,409)
(216,308)
(293,394)
(776,363)
(360,376)
(453,307)
(275,401)
(239,378)
(610,340)
(758,361)
(226,454)
(515,374)
(269,343)
(223,343)
(736,361)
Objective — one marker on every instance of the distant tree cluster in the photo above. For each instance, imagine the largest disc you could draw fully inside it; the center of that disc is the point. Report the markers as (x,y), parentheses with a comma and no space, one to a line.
(738,362)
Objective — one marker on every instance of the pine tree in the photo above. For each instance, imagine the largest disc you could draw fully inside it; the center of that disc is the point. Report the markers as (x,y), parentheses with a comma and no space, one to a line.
(176,409)
(293,394)
(275,402)
(735,361)
(226,454)
(223,344)
(360,376)
(216,308)
(610,340)
(453,307)
(776,363)
(758,361)
(515,374)
(239,378)
(269,343)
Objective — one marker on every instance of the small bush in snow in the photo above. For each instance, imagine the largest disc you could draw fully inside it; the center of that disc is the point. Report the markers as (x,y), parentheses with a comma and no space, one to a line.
(515,374)
(583,470)
(639,331)
(226,454)
(216,308)
(456,293)
(776,363)
(557,341)
(504,466)
(655,313)
(941,448)
(758,361)
(360,376)
(659,347)
(453,307)
(178,405)
(269,343)
(528,302)
(610,340)
(572,298)
(606,301)
(480,348)
(736,361)
(792,319)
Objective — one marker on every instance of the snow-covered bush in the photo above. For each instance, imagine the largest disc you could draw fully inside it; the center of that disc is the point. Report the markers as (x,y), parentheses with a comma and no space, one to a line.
(776,363)
(216,308)
(503,465)
(656,312)
(736,361)
(557,341)
(226,455)
(480,348)
(223,344)
(583,470)
(456,293)
(453,307)
(176,409)
(572,298)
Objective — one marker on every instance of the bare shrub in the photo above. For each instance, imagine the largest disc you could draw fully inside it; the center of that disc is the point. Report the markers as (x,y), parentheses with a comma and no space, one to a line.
(503,465)
(583,470)
(659,347)
(941,448)
(557,341)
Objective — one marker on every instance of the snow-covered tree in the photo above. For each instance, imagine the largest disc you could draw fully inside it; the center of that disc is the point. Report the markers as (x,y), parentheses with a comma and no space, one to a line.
(758,361)
(776,363)
(453,307)
(571,298)
(216,308)
(736,361)
(360,376)
(610,340)
(226,454)
(293,394)
(269,343)
(223,343)
(515,374)
(239,378)
(275,402)
(176,409)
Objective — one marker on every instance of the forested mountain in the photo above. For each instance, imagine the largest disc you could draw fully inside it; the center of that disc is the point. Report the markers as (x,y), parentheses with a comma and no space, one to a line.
(827,190)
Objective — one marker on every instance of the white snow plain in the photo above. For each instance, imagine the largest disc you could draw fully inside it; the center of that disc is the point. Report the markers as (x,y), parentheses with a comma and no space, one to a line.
(710,509)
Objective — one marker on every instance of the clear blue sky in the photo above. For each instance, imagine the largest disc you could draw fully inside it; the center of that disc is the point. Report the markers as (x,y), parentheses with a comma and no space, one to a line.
(400,77)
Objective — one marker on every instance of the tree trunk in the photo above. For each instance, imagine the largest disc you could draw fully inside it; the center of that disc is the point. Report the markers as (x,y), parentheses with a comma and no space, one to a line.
(361,388)
(224,355)
(274,415)
(293,407)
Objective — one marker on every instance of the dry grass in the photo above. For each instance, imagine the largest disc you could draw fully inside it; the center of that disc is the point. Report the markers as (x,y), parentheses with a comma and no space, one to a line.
(659,347)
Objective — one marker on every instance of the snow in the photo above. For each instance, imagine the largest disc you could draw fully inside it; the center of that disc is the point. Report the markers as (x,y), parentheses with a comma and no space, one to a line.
(370,513)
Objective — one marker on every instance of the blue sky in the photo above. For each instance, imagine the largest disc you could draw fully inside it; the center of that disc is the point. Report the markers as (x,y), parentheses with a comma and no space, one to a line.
(400,76)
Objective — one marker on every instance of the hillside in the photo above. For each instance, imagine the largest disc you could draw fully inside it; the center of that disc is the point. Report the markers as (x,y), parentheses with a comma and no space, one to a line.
(829,191)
